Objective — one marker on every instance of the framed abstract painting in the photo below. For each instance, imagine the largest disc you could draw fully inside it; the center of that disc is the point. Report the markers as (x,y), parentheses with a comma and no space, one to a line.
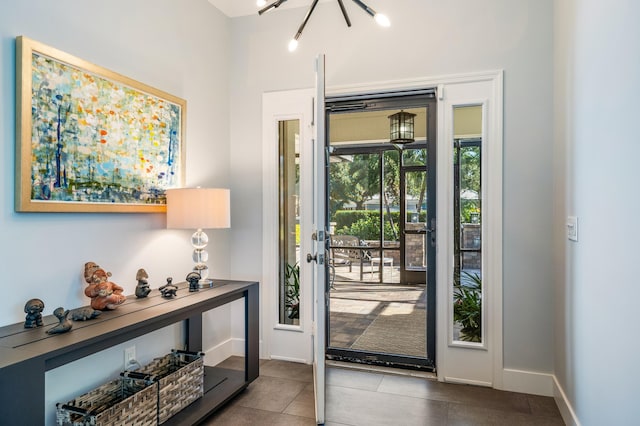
(91,140)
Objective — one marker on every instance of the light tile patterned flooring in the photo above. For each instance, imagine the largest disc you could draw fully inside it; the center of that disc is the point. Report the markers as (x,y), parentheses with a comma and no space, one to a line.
(283,395)
(354,306)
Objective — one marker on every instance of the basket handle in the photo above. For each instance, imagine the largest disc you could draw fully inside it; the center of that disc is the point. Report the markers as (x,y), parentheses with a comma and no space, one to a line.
(74,409)
(188,353)
(138,375)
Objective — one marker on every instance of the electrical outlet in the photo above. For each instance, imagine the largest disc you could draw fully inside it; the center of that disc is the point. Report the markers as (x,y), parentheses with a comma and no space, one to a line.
(129,357)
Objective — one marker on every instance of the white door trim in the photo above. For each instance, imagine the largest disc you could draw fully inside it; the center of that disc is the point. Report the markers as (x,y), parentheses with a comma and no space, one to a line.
(463,369)
(459,362)
(454,363)
(285,342)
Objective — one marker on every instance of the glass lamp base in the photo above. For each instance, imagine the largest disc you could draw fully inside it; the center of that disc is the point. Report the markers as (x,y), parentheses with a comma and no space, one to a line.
(206,283)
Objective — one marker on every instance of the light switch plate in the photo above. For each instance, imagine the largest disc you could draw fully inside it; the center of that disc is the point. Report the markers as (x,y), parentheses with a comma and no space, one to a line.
(572,228)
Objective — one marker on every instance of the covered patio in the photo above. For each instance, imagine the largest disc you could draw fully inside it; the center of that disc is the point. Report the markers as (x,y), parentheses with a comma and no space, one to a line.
(377,317)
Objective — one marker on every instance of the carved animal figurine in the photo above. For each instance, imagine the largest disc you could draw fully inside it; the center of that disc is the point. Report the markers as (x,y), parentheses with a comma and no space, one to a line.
(64,324)
(168,290)
(142,289)
(33,308)
(104,294)
(193,278)
(84,314)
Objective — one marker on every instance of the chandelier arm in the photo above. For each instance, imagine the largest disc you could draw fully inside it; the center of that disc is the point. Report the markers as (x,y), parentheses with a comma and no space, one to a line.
(306,19)
(365,7)
(344,13)
(268,7)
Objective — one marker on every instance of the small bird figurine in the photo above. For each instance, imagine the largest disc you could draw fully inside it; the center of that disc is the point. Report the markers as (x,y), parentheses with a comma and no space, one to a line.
(64,325)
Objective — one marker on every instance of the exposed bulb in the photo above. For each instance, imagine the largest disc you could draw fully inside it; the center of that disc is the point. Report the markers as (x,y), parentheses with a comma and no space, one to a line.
(382,20)
(261,3)
(293,45)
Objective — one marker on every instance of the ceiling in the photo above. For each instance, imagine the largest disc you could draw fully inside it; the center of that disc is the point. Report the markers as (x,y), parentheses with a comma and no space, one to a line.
(373,126)
(234,8)
(370,126)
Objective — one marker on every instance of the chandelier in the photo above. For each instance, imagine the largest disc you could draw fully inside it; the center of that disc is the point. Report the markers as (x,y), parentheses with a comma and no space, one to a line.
(380,18)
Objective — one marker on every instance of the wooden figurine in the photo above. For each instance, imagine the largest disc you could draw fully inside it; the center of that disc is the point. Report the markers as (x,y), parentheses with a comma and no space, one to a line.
(33,308)
(142,289)
(193,278)
(168,290)
(83,314)
(104,294)
(64,324)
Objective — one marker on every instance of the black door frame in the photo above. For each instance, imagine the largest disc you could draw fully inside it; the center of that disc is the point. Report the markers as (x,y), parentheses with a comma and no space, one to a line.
(381,101)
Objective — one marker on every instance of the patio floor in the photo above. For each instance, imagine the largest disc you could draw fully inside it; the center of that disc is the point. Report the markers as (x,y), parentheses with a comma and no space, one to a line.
(377,317)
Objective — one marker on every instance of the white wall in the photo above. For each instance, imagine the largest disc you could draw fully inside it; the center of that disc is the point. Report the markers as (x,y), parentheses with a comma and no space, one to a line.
(597,80)
(427,38)
(179,47)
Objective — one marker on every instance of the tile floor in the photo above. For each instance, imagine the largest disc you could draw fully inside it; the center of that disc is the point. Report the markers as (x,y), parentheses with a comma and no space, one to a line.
(283,395)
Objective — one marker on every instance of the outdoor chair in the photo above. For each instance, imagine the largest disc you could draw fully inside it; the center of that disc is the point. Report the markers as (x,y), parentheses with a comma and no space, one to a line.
(347,250)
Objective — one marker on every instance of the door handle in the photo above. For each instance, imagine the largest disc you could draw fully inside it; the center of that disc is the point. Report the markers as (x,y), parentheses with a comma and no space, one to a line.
(318,258)
(320,236)
(432,231)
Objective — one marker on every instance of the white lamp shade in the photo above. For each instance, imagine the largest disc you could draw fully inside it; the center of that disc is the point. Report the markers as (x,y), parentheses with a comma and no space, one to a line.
(198,208)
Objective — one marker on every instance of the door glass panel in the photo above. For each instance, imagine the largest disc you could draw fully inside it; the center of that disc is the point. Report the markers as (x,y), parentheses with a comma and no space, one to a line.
(354,214)
(289,229)
(467,208)
(415,220)
(385,262)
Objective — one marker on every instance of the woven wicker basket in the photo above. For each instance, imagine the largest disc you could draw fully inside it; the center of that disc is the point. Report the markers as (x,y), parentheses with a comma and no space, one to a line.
(124,401)
(180,377)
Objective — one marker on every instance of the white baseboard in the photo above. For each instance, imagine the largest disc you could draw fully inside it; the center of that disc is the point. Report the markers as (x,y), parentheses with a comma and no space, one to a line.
(541,384)
(235,347)
(224,350)
(566,410)
(527,382)
(284,358)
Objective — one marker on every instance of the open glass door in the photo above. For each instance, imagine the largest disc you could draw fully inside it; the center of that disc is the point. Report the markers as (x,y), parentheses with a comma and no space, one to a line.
(319,244)
(381,210)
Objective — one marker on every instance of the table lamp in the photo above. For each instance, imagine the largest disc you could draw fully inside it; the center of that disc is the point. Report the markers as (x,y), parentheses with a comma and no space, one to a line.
(199,208)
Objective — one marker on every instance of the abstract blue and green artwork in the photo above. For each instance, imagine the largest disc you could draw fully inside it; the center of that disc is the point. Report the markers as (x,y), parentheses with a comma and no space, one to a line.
(97,140)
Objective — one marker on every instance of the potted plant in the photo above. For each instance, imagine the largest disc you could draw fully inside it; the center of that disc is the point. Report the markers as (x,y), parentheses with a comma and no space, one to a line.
(292,290)
(467,307)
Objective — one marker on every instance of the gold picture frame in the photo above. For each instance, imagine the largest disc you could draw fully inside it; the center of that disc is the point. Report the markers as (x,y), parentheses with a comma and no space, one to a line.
(91,140)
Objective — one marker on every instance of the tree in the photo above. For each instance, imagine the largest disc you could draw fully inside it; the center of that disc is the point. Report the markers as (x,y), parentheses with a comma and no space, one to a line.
(354,181)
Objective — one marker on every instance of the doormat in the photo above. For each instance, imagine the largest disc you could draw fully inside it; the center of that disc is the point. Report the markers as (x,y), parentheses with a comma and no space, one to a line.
(396,333)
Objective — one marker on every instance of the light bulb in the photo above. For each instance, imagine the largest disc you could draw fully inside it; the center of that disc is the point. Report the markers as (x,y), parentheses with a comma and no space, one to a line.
(293,45)
(261,3)
(382,20)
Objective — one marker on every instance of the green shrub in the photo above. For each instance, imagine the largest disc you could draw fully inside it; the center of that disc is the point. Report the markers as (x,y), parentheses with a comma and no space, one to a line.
(369,229)
(365,224)
(345,218)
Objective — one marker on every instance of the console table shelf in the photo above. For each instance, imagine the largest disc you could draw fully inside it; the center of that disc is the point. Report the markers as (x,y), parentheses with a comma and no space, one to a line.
(27,354)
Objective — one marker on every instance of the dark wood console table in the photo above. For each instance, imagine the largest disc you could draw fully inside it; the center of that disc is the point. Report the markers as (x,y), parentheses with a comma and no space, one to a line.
(26,354)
